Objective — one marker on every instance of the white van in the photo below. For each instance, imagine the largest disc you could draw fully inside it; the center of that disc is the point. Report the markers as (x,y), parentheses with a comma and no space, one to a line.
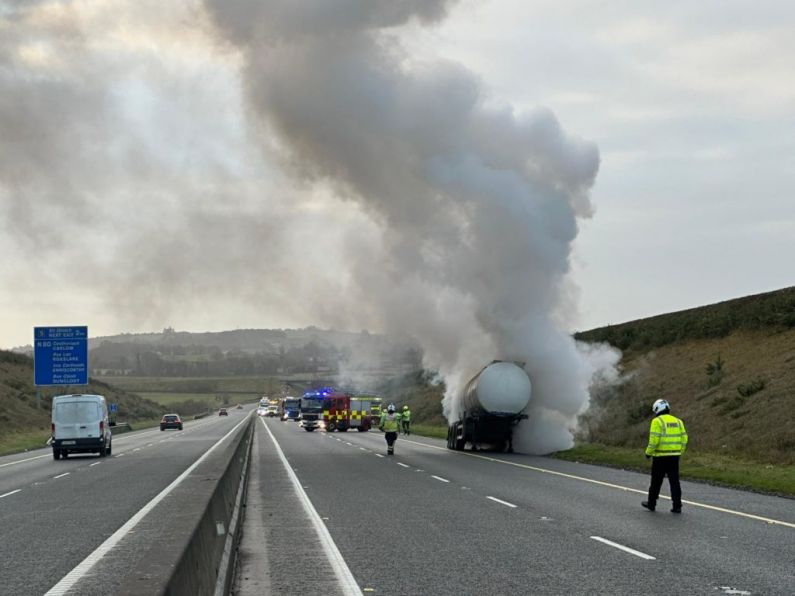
(80,424)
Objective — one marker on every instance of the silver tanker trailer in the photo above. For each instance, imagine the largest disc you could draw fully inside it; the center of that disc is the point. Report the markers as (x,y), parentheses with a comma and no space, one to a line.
(494,401)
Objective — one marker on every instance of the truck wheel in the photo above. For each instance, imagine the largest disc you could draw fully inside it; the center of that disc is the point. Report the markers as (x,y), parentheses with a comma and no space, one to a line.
(361,429)
(309,429)
(56,454)
(343,429)
(331,427)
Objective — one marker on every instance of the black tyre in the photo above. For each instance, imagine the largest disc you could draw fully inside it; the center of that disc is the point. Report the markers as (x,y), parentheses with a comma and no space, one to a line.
(162,428)
(309,429)
(102,450)
(64,453)
(343,429)
(361,429)
(180,427)
(331,427)
(110,447)
(56,454)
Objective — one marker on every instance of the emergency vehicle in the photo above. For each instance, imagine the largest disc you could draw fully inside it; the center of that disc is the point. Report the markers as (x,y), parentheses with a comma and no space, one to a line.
(342,411)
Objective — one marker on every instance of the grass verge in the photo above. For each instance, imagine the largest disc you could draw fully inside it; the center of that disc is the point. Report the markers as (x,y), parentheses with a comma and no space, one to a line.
(428,430)
(19,442)
(706,467)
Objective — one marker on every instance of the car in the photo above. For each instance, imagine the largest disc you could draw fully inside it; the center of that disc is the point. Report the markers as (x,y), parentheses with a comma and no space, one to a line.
(223,412)
(271,411)
(80,425)
(260,411)
(171,421)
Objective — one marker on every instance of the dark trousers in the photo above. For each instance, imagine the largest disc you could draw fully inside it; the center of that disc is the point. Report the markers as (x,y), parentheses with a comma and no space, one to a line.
(390,441)
(660,468)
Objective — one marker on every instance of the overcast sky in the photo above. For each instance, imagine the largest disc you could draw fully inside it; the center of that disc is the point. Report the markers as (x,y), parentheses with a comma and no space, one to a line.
(134,196)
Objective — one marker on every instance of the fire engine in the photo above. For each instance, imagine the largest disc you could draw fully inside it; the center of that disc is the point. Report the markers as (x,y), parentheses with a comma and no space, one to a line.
(342,411)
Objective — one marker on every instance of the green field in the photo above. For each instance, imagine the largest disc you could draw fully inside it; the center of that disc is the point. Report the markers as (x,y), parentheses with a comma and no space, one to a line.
(196,385)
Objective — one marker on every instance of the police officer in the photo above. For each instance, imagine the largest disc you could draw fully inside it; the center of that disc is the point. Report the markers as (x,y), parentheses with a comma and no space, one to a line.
(390,424)
(667,442)
(405,420)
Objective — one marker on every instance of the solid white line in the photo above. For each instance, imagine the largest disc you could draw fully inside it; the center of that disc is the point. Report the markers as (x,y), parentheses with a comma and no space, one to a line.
(626,549)
(94,464)
(607,484)
(61,475)
(403,465)
(76,574)
(342,571)
(21,461)
(506,503)
(13,492)
(440,479)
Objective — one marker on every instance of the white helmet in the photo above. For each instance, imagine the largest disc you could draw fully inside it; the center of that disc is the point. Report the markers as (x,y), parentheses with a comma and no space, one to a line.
(660,406)
(390,408)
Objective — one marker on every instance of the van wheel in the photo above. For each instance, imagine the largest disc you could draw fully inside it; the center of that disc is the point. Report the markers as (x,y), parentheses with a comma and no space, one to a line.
(110,446)
(102,451)
(56,454)
(64,453)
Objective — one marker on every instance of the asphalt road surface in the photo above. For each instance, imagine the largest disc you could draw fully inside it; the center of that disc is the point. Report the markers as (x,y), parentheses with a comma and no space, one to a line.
(53,514)
(432,521)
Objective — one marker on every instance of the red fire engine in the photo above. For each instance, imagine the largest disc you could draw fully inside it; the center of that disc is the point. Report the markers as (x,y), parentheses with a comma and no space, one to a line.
(342,411)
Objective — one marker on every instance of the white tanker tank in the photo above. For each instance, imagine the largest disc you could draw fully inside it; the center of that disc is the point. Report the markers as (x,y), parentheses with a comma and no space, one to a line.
(494,401)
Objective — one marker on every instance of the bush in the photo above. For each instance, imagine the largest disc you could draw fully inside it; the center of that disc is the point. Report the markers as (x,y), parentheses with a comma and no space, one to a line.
(715,372)
(748,389)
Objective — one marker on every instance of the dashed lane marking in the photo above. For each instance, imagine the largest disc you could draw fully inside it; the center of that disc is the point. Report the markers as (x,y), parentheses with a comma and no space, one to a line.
(378,455)
(501,502)
(61,475)
(626,549)
(768,520)
(403,465)
(440,479)
(94,464)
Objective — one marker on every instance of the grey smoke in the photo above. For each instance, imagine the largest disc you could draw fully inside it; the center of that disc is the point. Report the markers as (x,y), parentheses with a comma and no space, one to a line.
(476,206)
(380,192)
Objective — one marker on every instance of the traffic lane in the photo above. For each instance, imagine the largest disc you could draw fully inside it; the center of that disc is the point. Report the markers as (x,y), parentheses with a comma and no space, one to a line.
(734,550)
(402,531)
(50,527)
(753,503)
(29,471)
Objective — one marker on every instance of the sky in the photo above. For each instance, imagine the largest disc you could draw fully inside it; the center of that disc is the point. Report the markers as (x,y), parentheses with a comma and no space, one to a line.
(142,185)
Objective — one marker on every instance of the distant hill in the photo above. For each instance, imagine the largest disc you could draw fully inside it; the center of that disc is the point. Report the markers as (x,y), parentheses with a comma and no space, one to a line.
(728,369)
(18,409)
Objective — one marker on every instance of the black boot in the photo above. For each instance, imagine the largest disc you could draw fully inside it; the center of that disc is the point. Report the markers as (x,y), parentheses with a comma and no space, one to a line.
(648,505)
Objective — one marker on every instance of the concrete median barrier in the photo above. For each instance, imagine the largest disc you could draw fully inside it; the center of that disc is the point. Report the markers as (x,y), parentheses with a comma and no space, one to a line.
(195,553)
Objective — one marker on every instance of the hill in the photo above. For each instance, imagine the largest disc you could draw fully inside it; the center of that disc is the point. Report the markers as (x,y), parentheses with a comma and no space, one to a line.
(727,369)
(21,416)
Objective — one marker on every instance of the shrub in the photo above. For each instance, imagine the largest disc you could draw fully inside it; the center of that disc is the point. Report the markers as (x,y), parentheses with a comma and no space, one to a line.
(748,389)
(715,372)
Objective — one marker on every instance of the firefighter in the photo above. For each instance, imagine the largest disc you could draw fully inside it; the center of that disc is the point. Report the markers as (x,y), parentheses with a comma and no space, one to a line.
(405,420)
(667,442)
(390,424)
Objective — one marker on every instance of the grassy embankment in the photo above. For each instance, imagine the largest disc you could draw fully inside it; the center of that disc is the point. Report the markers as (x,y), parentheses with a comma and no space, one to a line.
(25,421)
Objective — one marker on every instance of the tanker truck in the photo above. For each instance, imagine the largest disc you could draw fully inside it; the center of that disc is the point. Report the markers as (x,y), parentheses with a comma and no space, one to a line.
(494,401)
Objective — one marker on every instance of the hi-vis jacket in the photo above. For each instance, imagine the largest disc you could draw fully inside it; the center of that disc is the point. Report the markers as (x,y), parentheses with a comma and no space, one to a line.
(406,415)
(389,422)
(667,436)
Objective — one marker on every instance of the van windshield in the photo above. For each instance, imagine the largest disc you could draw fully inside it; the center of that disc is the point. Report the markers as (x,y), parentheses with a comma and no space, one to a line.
(72,412)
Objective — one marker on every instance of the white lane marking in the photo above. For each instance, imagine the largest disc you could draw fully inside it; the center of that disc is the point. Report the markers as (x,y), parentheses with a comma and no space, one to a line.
(149,444)
(120,455)
(403,465)
(440,479)
(137,449)
(378,455)
(21,461)
(342,571)
(76,574)
(626,549)
(94,464)
(13,492)
(61,475)
(351,444)
(501,502)
(363,449)
(768,520)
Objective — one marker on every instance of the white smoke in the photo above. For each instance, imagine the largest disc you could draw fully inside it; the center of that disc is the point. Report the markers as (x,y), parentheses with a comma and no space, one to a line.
(475,206)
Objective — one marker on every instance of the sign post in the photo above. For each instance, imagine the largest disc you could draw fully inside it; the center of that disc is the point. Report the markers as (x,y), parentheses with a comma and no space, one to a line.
(60,356)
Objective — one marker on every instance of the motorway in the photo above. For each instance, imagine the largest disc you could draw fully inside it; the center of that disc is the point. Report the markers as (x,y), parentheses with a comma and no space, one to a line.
(349,520)
(53,514)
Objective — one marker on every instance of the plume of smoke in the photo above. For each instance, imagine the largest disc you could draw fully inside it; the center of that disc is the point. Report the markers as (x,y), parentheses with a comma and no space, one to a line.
(475,205)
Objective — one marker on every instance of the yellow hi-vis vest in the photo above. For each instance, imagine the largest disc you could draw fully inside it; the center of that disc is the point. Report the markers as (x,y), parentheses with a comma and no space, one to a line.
(667,436)
(389,422)
(406,415)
